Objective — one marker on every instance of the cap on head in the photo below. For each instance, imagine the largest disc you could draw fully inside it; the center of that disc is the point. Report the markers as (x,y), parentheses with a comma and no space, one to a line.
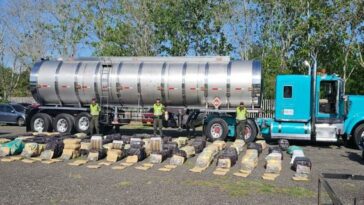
(241,103)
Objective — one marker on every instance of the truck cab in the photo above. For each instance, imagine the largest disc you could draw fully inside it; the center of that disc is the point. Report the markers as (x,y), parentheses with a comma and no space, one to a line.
(314,108)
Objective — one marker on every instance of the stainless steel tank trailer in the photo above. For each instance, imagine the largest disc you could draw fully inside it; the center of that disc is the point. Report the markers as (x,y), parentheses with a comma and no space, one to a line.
(189,87)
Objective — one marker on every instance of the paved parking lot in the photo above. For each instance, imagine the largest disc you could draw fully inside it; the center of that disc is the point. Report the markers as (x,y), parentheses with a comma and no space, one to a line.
(60,183)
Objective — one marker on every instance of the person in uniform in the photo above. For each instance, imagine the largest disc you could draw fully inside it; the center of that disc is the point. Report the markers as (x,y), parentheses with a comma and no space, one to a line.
(241,113)
(95,112)
(158,109)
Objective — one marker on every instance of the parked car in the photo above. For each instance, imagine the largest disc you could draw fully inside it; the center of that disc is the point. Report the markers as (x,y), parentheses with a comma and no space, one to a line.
(12,114)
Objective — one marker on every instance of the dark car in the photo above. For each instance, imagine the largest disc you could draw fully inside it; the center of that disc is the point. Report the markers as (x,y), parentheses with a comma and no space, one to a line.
(12,114)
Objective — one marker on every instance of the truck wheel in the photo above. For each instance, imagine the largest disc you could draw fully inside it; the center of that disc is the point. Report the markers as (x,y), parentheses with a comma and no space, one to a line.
(358,134)
(250,131)
(20,121)
(63,123)
(82,122)
(41,122)
(216,129)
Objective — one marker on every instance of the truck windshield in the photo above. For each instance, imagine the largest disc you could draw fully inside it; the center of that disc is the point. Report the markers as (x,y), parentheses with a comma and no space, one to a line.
(328,97)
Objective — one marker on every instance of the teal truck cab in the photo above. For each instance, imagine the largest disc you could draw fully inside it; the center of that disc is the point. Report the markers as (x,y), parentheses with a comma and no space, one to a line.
(307,107)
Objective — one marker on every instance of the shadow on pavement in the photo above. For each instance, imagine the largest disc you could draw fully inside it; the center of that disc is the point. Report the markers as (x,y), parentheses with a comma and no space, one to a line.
(354,156)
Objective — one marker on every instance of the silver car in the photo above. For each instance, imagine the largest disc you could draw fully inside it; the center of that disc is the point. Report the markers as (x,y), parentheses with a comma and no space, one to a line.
(12,114)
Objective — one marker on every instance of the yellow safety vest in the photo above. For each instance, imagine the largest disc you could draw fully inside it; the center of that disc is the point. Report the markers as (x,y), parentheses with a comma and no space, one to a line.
(95,109)
(241,113)
(158,109)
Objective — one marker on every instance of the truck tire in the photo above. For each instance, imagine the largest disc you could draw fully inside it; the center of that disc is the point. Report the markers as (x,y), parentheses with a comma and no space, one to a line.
(63,123)
(251,131)
(358,134)
(41,122)
(82,122)
(216,129)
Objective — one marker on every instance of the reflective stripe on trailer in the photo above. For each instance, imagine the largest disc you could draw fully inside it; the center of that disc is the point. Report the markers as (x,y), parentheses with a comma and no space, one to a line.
(82,86)
(124,88)
(169,88)
(43,86)
(105,87)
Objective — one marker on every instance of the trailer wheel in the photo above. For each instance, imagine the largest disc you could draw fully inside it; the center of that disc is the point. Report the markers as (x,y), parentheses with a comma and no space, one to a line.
(82,122)
(216,129)
(41,122)
(358,135)
(63,123)
(250,131)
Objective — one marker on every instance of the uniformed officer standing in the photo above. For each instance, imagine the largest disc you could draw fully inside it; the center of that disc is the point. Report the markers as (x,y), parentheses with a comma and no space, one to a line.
(158,109)
(95,112)
(241,113)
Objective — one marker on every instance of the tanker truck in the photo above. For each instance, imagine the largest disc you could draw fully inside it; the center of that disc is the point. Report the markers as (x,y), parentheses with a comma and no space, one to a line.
(195,90)
(189,87)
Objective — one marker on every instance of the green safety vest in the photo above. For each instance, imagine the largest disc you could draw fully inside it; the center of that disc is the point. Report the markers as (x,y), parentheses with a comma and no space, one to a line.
(241,113)
(95,109)
(158,109)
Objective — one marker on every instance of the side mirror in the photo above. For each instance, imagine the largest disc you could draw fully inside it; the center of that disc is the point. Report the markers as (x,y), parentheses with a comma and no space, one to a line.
(12,111)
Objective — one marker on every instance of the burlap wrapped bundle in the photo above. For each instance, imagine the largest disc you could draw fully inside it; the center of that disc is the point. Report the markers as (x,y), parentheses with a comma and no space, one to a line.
(71,148)
(205,158)
(220,144)
(114,155)
(250,160)
(177,160)
(189,151)
(156,144)
(31,149)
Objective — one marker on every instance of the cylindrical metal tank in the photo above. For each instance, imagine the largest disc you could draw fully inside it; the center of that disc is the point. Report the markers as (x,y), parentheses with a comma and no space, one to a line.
(138,81)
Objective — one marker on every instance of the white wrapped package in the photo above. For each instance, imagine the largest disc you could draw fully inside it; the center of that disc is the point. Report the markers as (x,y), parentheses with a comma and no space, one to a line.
(297,153)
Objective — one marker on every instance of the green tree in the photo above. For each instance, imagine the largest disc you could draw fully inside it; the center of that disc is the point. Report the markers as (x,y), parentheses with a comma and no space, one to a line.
(66,26)
(166,27)
(191,27)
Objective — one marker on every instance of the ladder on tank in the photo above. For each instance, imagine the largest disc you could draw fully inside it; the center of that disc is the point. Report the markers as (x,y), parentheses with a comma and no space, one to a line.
(106,67)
